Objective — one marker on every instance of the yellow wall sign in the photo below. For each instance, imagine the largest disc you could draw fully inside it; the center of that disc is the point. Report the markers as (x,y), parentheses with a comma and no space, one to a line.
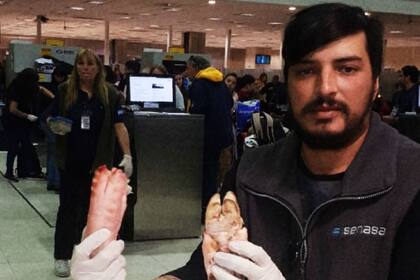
(46,52)
(55,42)
(176,50)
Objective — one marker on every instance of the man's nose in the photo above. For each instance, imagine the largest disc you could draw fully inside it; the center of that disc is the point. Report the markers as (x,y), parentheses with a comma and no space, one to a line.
(327,82)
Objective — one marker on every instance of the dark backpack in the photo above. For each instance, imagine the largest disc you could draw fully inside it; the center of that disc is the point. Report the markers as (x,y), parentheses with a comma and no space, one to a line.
(266,129)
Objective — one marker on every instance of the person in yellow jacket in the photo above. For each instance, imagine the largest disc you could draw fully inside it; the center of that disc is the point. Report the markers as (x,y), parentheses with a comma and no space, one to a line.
(210,97)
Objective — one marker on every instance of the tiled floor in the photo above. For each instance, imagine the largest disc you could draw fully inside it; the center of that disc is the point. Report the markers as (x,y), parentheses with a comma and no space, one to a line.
(26,238)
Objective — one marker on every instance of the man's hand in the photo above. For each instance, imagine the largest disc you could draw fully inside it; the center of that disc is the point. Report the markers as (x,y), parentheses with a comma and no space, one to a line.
(31,118)
(108,264)
(250,261)
(127,164)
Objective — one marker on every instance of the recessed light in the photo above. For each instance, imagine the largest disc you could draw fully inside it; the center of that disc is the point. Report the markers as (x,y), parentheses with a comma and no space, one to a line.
(214,18)
(292,8)
(125,17)
(138,28)
(367,14)
(154,26)
(275,23)
(247,15)
(77,8)
(234,34)
(96,2)
(396,31)
(145,14)
(173,9)
(209,29)
(212,2)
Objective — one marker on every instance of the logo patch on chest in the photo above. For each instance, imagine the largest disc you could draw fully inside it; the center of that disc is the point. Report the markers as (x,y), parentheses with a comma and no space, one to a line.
(366,230)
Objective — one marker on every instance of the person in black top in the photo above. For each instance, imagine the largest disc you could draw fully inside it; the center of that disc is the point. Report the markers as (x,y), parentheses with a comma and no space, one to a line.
(59,76)
(93,107)
(20,114)
(408,98)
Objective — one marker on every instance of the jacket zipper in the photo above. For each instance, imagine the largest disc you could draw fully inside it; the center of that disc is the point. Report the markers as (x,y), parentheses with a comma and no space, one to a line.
(303,254)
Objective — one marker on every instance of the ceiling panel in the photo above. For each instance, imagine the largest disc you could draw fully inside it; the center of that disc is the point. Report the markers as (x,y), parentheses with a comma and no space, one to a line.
(146,20)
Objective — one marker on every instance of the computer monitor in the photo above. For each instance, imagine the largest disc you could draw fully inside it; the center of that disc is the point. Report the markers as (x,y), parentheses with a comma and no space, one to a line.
(152,91)
(262,59)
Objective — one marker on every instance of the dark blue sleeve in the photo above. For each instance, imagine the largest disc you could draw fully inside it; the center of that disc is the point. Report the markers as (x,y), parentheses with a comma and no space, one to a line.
(406,254)
(119,111)
(198,95)
(119,114)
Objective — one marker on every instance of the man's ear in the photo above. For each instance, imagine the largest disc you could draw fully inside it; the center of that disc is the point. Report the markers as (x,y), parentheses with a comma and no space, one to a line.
(375,88)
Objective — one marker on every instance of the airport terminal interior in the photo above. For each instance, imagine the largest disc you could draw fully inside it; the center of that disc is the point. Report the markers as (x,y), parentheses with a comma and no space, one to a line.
(163,225)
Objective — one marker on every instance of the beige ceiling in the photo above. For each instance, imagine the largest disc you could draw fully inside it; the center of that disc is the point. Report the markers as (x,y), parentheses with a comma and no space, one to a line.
(149,21)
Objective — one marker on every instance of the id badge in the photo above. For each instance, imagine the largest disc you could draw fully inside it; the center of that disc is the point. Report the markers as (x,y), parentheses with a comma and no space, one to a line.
(85,122)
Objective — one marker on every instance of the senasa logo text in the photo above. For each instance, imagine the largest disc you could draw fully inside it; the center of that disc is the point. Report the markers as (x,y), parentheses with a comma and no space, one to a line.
(359,230)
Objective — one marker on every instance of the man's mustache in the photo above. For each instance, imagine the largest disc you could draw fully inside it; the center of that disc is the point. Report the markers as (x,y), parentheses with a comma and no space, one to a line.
(320,102)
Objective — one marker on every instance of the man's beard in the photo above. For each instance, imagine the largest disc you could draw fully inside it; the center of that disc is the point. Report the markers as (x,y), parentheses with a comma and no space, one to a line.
(354,125)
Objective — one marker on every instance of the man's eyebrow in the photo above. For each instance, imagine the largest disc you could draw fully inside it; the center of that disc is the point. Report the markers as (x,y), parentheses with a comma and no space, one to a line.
(348,59)
(337,60)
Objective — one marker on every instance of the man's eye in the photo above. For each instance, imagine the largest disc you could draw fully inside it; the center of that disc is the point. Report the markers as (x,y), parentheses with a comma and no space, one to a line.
(303,72)
(347,69)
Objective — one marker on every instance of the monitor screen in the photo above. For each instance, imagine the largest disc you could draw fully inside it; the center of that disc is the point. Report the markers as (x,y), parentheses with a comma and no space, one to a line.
(262,59)
(152,89)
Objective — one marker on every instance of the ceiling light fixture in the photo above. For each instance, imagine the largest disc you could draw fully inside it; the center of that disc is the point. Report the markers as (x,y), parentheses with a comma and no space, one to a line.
(275,23)
(292,8)
(96,2)
(214,18)
(173,9)
(145,14)
(209,29)
(125,17)
(396,31)
(212,2)
(367,14)
(77,8)
(247,15)
(154,26)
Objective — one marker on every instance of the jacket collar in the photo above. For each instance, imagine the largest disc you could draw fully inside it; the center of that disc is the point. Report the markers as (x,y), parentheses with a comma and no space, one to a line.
(374,168)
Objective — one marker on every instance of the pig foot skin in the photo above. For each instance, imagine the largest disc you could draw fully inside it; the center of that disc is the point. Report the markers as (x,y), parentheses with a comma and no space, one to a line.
(223,223)
(108,202)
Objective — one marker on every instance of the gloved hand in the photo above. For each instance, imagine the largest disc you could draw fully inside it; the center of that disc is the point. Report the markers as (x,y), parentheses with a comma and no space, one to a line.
(32,118)
(108,264)
(127,164)
(251,262)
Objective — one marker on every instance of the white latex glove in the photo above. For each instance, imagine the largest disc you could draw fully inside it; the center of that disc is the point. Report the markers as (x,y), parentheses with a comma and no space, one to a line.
(108,264)
(32,118)
(127,164)
(250,261)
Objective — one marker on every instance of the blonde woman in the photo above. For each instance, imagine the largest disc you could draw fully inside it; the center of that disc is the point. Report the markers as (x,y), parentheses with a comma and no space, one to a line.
(91,106)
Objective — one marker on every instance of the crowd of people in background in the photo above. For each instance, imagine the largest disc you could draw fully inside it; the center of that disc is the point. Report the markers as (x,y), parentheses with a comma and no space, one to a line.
(94,94)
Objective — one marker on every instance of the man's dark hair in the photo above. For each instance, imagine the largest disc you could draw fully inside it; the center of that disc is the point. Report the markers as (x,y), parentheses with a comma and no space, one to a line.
(132,66)
(319,25)
(233,74)
(198,62)
(412,72)
(244,81)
